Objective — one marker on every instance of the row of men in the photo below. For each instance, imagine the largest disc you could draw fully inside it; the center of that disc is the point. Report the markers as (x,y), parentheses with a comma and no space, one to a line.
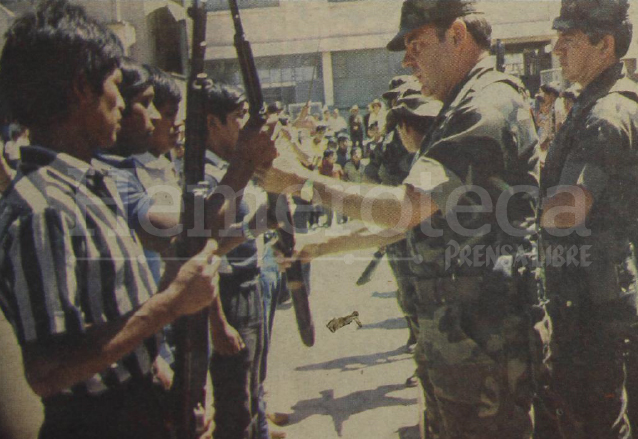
(88,225)
(463,221)
(522,287)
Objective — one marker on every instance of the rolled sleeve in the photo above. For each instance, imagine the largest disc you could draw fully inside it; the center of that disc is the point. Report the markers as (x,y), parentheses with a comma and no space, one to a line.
(136,200)
(42,294)
(431,177)
(600,149)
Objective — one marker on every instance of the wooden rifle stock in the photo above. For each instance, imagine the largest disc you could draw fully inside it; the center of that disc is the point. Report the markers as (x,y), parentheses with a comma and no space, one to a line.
(285,231)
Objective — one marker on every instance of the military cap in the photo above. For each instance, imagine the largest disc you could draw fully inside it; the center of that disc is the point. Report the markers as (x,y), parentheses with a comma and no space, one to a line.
(275,107)
(400,85)
(417,106)
(552,88)
(591,14)
(418,13)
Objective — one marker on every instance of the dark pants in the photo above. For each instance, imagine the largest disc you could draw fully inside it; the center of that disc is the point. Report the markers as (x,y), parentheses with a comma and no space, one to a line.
(236,378)
(133,411)
(271,284)
(587,393)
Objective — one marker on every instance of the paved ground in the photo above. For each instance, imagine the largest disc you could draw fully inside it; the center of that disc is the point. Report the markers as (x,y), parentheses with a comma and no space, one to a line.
(351,383)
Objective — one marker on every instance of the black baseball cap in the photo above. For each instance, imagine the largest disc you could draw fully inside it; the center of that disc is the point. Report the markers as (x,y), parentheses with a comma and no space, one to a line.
(418,13)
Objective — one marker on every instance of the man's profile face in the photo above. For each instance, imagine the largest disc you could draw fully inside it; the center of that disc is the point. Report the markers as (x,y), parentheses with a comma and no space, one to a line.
(410,138)
(575,52)
(429,59)
(137,126)
(103,116)
(226,135)
(166,133)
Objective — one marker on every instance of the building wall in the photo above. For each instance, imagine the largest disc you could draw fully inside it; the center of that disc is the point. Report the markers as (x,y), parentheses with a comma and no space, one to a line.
(351,37)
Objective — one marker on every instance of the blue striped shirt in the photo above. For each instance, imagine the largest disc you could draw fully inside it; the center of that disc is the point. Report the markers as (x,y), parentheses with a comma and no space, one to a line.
(69,260)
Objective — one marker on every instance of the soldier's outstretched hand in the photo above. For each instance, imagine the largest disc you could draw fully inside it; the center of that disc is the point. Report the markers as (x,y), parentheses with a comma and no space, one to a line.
(282,177)
(256,144)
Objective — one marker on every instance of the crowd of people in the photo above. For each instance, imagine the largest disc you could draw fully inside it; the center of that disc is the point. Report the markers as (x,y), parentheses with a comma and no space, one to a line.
(509,225)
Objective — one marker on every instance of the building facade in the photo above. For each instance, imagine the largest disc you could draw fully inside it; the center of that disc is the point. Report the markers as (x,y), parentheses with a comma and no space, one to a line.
(333,51)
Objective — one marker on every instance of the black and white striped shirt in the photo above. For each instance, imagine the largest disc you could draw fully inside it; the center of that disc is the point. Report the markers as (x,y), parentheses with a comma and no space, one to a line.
(68,259)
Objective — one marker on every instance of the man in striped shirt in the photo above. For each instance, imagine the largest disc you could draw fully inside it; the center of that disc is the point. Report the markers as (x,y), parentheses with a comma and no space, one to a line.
(75,284)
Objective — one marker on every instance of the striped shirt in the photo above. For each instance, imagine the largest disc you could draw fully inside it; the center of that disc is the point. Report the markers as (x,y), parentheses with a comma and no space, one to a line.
(69,260)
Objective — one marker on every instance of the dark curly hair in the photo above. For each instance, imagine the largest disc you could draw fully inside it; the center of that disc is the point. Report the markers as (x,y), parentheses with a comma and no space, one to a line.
(45,53)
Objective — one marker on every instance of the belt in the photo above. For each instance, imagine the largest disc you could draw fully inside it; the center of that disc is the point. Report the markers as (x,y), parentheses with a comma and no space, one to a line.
(240,276)
(453,289)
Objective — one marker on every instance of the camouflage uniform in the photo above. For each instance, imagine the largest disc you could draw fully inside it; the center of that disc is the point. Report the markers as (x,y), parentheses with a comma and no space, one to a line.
(389,165)
(592,305)
(474,321)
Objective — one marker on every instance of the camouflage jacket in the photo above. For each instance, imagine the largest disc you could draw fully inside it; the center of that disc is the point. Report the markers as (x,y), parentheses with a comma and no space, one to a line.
(480,157)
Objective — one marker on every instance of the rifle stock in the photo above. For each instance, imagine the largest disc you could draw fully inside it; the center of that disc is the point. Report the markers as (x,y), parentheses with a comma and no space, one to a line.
(191,332)
(276,203)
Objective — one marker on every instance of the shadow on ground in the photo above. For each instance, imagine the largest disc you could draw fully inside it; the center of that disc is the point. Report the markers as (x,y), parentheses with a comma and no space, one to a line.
(357,362)
(409,432)
(394,323)
(386,295)
(340,409)
(284,306)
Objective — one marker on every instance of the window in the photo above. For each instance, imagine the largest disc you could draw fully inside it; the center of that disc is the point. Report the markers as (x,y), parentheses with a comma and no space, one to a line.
(363,75)
(290,79)
(222,5)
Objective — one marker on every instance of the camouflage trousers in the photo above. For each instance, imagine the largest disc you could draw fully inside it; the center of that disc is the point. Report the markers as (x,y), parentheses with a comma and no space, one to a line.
(473,361)
(586,393)
(406,294)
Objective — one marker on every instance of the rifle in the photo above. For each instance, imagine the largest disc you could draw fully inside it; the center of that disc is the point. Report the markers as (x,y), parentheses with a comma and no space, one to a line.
(371,268)
(286,238)
(191,332)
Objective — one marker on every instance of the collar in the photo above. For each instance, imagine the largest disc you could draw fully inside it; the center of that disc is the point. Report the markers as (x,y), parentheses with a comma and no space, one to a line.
(601,85)
(484,65)
(71,169)
(216,160)
(149,160)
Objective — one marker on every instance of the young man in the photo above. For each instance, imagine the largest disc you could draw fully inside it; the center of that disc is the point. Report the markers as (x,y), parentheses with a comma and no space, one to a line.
(235,364)
(76,288)
(154,131)
(589,207)
(474,328)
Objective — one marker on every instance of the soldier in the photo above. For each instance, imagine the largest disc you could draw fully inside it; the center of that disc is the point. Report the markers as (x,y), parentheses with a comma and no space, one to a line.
(473,325)
(390,164)
(588,185)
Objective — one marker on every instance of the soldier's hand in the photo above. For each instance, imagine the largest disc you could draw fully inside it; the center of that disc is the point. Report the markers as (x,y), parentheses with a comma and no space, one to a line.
(282,177)
(307,248)
(195,285)
(256,144)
